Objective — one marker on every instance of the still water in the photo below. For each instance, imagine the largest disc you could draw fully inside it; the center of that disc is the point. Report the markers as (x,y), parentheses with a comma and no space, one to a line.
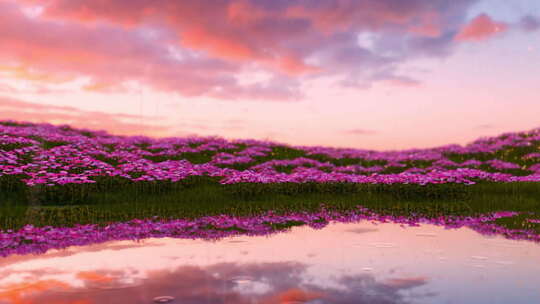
(365,262)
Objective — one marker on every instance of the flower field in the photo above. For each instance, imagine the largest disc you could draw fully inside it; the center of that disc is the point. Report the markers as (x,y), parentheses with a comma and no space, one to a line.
(51,156)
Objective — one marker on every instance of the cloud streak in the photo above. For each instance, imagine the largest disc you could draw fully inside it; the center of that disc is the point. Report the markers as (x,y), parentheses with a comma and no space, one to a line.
(116,123)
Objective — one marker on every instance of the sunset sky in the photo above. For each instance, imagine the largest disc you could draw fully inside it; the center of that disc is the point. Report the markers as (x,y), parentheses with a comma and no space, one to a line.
(374,74)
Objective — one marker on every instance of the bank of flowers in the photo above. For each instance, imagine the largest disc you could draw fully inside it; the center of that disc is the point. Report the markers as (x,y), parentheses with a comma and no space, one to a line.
(48,155)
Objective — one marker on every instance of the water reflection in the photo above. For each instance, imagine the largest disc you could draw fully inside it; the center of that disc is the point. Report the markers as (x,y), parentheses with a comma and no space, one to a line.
(31,239)
(339,263)
(278,282)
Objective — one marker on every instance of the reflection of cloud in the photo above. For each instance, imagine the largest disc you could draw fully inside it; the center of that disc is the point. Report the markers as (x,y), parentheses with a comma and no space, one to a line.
(37,113)
(95,277)
(213,284)
(17,293)
(405,283)
(294,295)
(365,289)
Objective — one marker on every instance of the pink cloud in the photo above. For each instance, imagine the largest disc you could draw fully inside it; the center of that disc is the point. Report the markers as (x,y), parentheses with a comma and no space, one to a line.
(47,51)
(481,28)
(220,29)
(111,42)
(429,25)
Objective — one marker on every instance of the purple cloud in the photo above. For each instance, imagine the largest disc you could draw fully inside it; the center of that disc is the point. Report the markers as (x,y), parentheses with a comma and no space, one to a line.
(530,23)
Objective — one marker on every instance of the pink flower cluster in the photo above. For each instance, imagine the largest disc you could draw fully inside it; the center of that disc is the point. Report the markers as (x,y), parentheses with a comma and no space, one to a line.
(302,175)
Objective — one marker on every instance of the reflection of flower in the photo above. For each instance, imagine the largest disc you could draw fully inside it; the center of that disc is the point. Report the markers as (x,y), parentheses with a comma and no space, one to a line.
(32,239)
